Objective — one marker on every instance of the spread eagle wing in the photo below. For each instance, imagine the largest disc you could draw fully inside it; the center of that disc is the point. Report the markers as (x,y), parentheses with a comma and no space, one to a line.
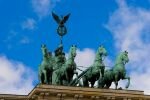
(66,18)
(56,17)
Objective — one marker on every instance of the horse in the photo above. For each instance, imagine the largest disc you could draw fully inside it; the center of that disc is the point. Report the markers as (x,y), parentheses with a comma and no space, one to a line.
(96,70)
(68,69)
(116,73)
(46,67)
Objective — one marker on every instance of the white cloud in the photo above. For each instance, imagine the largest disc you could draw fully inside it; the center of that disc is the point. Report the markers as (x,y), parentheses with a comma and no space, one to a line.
(85,57)
(29,24)
(15,77)
(130,28)
(25,40)
(43,7)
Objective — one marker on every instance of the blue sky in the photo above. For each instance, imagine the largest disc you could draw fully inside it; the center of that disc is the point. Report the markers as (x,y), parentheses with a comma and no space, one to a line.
(117,24)
(86,24)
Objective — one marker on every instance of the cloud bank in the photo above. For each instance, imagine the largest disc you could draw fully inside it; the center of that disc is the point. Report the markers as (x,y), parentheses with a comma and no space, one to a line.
(85,57)
(130,28)
(15,77)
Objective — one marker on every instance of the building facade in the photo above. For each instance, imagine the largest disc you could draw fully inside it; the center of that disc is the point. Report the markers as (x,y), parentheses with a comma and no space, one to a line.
(51,92)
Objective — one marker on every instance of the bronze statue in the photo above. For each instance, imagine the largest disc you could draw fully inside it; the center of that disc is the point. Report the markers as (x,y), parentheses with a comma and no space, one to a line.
(61,30)
(57,70)
(96,70)
(116,73)
(59,56)
(68,69)
(46,67)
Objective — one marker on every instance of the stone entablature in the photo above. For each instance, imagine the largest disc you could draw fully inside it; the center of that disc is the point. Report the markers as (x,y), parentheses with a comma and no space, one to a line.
(13,97)
(51,92)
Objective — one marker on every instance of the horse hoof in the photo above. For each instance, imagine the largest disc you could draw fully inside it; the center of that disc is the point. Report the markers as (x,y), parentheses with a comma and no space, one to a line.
(120,88)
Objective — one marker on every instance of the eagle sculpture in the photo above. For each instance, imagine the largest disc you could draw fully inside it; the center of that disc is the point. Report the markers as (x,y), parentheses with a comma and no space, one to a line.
(60,20)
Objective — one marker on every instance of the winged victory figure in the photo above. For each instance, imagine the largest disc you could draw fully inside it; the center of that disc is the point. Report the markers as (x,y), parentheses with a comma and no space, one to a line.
(61,30)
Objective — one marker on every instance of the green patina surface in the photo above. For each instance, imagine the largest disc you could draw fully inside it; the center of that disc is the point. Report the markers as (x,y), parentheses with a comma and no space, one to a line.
(57,70)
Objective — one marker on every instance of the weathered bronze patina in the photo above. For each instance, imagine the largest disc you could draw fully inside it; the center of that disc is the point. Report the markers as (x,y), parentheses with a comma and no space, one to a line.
(57,70)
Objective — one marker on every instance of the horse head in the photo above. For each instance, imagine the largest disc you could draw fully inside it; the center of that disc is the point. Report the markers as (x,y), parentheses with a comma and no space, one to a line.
(73,51)
(124,57)
(102,51)
(44,50)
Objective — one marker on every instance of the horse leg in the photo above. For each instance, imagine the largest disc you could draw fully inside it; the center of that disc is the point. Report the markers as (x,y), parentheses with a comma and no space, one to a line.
(101,82)
(92,84)
(127,77)
(85,82)
(67,77)
(108,84)
(50,77)
(102,71)
(42,78)
(58,80)
(116,81)
(45,76)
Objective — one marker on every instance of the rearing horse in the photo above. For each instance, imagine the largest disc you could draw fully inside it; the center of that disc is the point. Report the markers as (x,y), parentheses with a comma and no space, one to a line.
(66,72)
(96,70)
(119,69)
(116,73)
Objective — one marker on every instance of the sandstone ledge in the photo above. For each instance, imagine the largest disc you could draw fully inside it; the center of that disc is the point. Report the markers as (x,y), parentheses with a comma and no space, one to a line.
(52,92)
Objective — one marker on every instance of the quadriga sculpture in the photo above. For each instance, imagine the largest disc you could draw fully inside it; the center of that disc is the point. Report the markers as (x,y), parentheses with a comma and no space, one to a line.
(116,73)
(96,70)
(46,67)
(66,71)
